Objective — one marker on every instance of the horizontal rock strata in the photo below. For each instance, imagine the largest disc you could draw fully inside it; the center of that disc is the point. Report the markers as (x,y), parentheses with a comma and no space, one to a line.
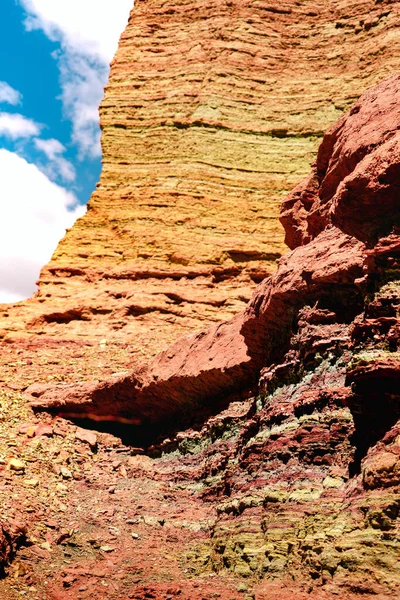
(305,475)
(291,488)
(329,267)
(211,114)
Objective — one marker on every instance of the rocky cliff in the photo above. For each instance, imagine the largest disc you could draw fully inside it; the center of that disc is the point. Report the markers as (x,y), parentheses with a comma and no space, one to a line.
(211,115)
(303,470)
(259,458)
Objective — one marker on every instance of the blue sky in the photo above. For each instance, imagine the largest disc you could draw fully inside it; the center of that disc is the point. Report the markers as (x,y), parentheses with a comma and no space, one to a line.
(54,57)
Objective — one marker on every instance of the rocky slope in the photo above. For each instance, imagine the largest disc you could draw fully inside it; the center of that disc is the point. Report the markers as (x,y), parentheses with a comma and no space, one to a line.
(303,474)
(259,458)
(213,112)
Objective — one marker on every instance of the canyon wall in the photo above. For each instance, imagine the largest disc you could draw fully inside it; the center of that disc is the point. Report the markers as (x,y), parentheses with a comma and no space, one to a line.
(300,462)
(259,456)
(212,113)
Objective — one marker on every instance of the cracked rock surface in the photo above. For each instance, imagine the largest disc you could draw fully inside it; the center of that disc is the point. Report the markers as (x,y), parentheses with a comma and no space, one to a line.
(259,457)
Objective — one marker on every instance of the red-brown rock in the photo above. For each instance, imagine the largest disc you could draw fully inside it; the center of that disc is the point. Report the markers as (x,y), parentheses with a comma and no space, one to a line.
(227,357)
(355,178)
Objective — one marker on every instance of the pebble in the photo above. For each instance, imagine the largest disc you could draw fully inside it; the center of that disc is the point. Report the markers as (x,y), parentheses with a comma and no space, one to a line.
(44,429)
(51,523)
(66,473)
(46,546)
(107,548)
(28,429)
(63,535)
(135,536)
(86,436)
(14,464)
(32,482)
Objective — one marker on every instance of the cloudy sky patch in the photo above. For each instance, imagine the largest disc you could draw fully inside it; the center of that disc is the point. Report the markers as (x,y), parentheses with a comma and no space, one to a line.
(8,95)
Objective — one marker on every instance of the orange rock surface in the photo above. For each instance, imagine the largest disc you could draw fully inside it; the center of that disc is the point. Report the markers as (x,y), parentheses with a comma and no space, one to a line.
(212,113)
(289,490)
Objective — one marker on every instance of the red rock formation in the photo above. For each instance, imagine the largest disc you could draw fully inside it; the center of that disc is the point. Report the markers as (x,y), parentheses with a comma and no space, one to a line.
(353,181)
(331,262)
(304,476)
(211,114)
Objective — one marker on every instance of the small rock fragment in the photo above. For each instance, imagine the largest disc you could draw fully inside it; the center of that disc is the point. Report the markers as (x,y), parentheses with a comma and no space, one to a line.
(107,548)
(44,429)
(51,523)
(32,482)
(68,580)
(27,429)
(64,535)
(14,464)
(86,436)
(46,546)
(66,473)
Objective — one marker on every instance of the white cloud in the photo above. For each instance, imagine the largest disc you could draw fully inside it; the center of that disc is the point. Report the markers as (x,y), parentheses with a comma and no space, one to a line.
(8,95)
(50,147)
(59,165)
(15,126)
(34,215)
(88,31)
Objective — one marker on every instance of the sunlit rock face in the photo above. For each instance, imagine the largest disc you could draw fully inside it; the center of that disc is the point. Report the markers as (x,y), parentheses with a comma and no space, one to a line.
(262,455)
(301,460)
(212,113)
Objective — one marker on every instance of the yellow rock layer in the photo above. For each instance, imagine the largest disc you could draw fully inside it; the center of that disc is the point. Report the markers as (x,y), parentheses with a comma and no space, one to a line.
(212,113)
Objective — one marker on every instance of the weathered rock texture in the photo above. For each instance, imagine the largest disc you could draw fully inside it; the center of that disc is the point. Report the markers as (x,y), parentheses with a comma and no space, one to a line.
(291,488)
(307,474)
(12,535)
(213,112)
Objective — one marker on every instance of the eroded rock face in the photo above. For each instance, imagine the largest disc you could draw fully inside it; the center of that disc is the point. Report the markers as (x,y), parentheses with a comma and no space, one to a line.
(12,535)
(332,269)
(291,488)
(211,115)
(304,474)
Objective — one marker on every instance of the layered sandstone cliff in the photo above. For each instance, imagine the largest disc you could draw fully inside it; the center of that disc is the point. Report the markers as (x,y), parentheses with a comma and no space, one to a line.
(212,114)
(303,471)
(291,488)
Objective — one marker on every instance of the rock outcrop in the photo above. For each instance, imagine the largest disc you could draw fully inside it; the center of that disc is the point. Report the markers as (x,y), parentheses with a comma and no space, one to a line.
(12,535)
(338,219)
(260,457)
(211,115)
(307,476)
